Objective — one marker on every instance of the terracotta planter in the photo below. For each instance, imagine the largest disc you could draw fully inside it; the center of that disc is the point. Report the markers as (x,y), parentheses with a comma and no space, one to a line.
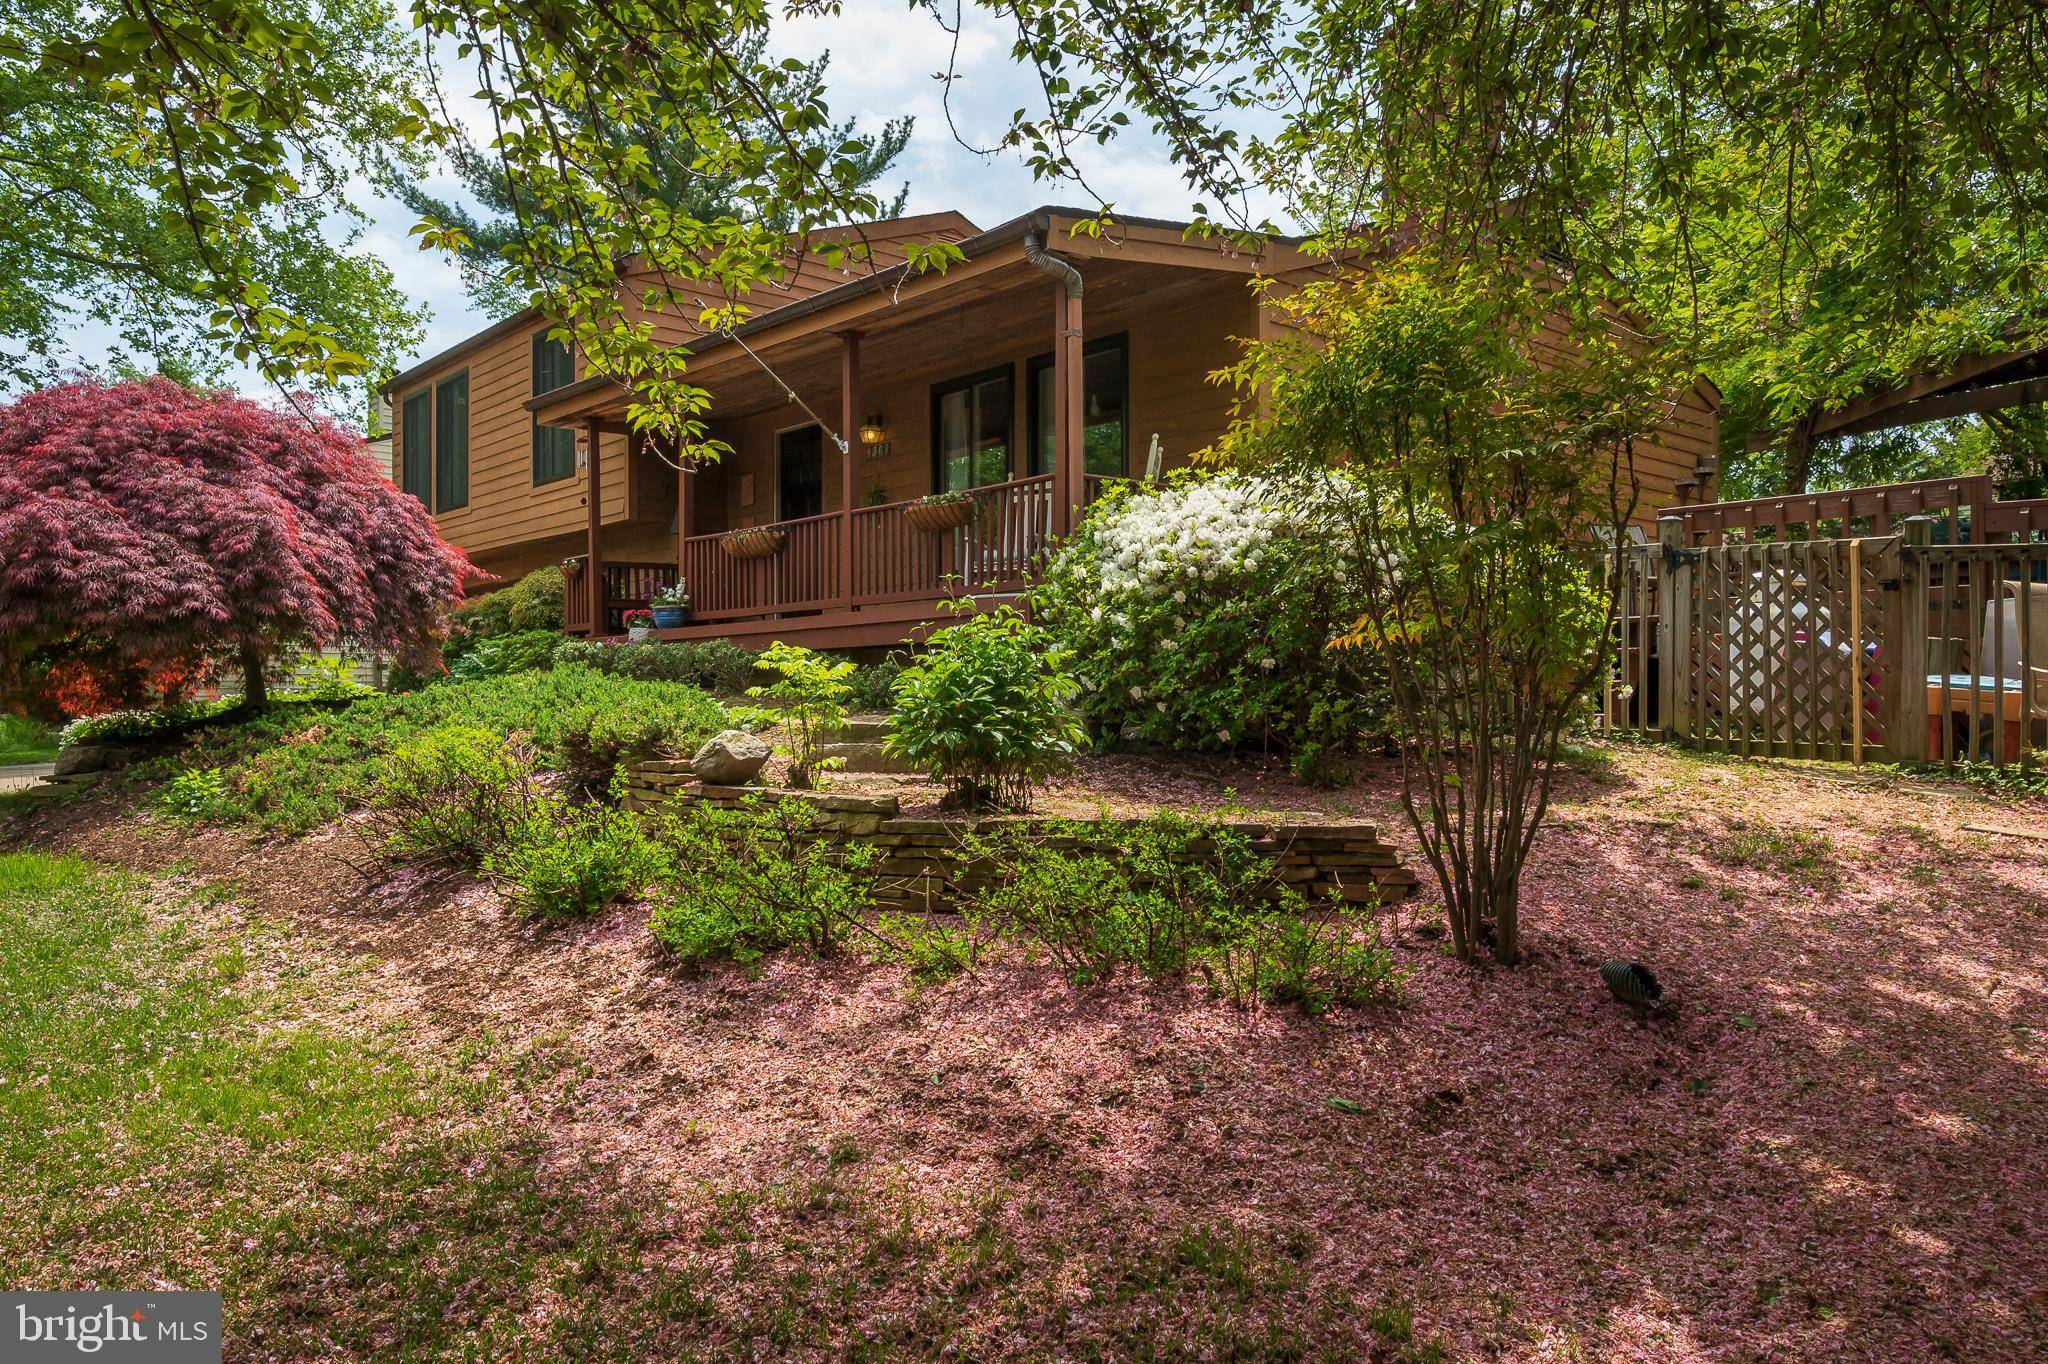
(938,516)
(753,544)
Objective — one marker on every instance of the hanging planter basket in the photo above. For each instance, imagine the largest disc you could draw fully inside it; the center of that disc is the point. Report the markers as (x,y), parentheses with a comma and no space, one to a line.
(933,517)
(759,543)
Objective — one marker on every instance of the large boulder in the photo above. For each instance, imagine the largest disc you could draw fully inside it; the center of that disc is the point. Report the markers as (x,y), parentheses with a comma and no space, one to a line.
(81,758)
(732,758)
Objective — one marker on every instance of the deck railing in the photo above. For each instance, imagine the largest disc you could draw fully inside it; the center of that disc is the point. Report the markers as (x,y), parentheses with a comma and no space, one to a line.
(628,587)
(1968,509)
(998,550)
(803,575)
(994,552)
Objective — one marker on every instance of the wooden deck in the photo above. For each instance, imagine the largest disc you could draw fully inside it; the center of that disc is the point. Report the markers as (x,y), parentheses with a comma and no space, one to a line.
(813,591)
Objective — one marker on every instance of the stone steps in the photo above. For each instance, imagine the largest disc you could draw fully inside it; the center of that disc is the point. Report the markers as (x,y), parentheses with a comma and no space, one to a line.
(860,729)
(859,743)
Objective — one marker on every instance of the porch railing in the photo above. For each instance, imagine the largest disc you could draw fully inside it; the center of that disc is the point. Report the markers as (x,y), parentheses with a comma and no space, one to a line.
(999,549)
(803,575)
(628,587)
(892,560)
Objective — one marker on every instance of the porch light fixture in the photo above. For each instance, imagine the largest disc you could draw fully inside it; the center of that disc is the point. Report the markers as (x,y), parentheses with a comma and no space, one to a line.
(872,432)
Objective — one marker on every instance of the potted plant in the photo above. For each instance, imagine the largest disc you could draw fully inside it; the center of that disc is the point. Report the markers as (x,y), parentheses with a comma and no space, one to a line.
(639,624)
(752,542)
(940,511)
(671,606)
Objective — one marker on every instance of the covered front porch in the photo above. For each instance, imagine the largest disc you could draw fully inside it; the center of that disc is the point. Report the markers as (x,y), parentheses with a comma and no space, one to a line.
(844,411)
(843,579)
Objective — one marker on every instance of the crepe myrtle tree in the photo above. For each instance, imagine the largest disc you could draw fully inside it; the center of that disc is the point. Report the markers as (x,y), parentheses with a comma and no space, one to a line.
(147,521)
(1488,427)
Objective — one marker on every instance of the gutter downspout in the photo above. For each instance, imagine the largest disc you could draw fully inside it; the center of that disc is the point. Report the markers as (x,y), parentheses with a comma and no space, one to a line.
(1068,481)
(1044,261)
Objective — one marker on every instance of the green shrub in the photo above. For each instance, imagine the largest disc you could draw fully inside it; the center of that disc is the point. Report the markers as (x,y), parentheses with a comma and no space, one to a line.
(452,796)
(1152,894)
(521,651)
(1199,615)
(873,686)
(292,769)
(748,880)
(931,947)
(634,721)
(193,794)
(716,665)
(985,708)
(532,603)
(1315,958)
(460,796)
(1171,896)
(810,691)
(134,726)
(327,680)
(566,860)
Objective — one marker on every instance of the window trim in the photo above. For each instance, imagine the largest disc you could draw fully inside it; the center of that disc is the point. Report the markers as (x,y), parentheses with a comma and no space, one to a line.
(460,376)
(425,494)
(1044,361)
(540,339)
(968,382)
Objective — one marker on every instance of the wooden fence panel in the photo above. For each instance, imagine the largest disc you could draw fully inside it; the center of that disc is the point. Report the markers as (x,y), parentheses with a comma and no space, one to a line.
(1982,624)
(1767,648)
(1633,694)
(1904,647)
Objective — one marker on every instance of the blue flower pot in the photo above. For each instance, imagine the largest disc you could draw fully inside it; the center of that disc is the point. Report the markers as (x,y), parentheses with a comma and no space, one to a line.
(671,617)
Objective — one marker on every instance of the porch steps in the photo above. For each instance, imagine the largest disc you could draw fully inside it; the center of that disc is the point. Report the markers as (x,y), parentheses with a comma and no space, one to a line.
(859,742)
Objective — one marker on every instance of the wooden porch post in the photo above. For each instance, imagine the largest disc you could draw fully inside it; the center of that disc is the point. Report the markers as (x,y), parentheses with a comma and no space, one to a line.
(593,566)
(1069,462)
(849,434)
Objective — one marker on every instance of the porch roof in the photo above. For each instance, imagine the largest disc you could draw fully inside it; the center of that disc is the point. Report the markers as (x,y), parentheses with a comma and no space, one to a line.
(899,297)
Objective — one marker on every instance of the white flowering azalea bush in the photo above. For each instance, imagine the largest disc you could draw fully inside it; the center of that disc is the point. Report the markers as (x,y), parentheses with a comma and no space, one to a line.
(1199,613)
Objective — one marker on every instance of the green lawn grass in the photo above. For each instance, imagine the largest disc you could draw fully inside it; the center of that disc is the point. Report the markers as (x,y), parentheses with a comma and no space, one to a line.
(26,741)
(172,1114)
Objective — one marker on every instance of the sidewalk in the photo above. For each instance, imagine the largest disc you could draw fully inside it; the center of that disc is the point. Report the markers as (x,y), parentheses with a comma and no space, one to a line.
(24,775)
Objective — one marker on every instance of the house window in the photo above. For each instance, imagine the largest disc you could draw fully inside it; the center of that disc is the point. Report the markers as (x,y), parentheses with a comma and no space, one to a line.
(416,443)
(1105,408)
(451,443)
(554,447)
(972,430)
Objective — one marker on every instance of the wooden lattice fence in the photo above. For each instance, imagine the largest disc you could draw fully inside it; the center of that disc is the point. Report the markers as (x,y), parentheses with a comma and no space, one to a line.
(1881,646)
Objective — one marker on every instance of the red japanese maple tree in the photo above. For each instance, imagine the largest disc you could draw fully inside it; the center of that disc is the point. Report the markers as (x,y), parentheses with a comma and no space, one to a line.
(163,524)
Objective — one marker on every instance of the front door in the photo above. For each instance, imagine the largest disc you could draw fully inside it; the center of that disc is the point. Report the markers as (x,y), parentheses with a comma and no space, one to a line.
(799,473)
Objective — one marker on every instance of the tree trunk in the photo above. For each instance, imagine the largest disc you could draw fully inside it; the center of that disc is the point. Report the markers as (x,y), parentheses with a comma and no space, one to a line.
(255,692)
(1799,452)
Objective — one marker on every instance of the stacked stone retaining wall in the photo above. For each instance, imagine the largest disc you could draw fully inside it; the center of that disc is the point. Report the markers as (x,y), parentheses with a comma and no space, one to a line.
(921,864)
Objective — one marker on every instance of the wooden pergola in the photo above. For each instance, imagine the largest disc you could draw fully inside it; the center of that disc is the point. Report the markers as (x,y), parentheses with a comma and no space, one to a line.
(1975,385)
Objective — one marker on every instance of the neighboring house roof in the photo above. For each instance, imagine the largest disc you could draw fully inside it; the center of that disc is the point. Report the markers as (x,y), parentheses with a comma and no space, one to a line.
(806,273)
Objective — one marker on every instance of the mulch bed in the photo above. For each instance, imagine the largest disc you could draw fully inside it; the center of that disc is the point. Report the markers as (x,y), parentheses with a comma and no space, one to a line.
(1836,1150)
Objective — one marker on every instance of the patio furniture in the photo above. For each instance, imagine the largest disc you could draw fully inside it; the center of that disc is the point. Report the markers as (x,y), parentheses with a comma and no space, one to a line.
(2010,701)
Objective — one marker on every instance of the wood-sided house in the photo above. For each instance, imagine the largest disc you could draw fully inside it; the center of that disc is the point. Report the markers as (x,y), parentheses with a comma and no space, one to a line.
(1024,376)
